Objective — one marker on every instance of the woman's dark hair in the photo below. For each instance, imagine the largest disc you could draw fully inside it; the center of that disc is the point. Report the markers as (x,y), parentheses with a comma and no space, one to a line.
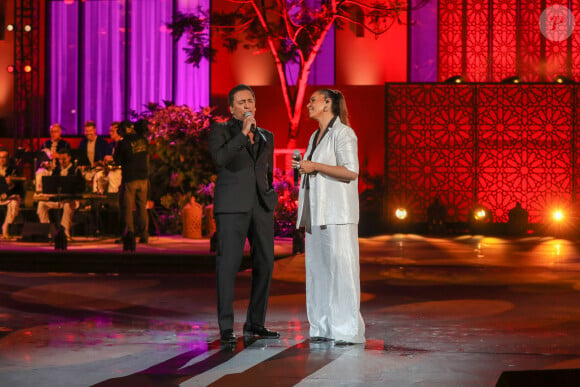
(338,104)
(235,90)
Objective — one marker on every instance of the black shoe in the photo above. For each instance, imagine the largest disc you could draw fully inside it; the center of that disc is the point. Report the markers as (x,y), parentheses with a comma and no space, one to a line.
(342,343)
(228,337)
(129,242)
(260,331)
(143,240)
(318,339)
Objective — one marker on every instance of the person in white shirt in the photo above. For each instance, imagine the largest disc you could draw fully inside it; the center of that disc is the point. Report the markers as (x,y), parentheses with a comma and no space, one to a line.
(8,197)
(66,168)
(328,208)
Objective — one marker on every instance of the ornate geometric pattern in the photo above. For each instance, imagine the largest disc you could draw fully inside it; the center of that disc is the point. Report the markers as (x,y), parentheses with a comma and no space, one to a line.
(486,45)
(504,39)
(430,143)
(450,39)
(493,145)
(477,41)
(575,42)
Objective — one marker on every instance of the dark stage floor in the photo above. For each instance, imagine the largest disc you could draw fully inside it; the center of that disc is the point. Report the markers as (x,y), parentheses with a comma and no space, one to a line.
(439,312)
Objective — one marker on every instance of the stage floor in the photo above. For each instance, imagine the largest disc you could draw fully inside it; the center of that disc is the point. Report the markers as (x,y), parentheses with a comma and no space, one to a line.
(438,311)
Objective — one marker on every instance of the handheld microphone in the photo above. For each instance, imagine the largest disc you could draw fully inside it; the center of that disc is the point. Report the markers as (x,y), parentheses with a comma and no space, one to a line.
(296,157)
(253,127)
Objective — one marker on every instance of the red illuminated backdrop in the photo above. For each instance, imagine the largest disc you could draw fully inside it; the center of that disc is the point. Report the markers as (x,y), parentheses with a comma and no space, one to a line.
(489,40)
(488,144)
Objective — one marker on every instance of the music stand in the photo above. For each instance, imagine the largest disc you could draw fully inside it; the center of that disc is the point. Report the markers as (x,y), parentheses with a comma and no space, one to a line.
(62,185)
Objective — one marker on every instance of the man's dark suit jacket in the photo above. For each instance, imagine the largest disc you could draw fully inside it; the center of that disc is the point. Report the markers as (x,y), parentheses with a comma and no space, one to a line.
(102,148)
(238,175)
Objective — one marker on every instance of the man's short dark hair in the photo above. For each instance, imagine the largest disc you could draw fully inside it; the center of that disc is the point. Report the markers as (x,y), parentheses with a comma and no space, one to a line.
(90,123)
(64,151)
(237,88)
(3,149)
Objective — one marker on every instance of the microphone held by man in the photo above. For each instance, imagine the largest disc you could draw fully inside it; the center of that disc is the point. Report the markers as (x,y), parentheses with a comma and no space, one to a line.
(253,127)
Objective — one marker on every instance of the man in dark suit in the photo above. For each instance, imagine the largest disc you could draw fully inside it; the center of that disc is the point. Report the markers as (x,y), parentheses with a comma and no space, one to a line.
(244,203)
(92,148)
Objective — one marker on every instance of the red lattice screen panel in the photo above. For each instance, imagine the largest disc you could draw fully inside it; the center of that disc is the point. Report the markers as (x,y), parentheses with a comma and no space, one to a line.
(490,40)
(430,148)
(504,40)
(450,40)
(514,144)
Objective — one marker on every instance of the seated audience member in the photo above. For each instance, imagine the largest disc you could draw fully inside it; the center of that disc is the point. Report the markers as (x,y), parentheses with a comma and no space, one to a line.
(8,195)
(108,176)
(55,143)
(68,205)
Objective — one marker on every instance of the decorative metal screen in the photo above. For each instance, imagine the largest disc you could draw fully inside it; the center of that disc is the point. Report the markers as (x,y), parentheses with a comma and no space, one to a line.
(490,40)
(486,144)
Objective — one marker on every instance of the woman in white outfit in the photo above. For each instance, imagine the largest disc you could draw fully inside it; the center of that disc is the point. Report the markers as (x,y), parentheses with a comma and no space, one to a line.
(328,209)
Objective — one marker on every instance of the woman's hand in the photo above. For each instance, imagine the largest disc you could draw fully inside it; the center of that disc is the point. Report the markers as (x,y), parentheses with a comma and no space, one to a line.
(307,167)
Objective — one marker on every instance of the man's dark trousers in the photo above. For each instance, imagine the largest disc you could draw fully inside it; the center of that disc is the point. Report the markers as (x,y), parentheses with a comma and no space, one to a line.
(232,229)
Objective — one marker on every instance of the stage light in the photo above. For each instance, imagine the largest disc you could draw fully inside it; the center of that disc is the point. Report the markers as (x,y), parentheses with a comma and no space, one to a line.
(479,214)
(401,213)
(10,68)
(514,79)
(558,216)
(454,79)
(10,27)
(564,80)
(27,68)
(28,28)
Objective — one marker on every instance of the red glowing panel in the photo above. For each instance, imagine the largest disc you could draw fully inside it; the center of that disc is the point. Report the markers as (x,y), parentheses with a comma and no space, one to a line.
(451,38)
(504,39)
(476,42)
(520,137)
(575,42)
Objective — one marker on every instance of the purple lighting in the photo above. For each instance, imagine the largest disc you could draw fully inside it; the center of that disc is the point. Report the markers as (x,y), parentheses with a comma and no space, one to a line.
(110,57)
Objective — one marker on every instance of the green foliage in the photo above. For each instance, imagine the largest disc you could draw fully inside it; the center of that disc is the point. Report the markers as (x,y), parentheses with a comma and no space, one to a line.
(180,162)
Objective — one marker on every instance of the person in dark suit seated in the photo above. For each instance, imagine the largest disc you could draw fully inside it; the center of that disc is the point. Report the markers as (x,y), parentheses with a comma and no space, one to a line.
(65,168)
(8,195)
(55,143)
(244,205)
(92,148)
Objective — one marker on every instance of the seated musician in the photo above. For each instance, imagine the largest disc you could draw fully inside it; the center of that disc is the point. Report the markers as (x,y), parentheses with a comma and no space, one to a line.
(91,151)
(107,178)
(8,196)
(65,168)
(55,143)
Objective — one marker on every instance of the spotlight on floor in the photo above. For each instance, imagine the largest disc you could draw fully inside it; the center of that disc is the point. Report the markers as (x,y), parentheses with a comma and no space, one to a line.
(479,214)
(401,213)
(454,79)
(514,79)
(564,80)
(558,216)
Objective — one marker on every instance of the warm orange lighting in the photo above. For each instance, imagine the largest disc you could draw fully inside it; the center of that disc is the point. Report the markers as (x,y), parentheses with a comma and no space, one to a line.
(27,68)
(479,214)
(401,213)
(10,27)
(558,215)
